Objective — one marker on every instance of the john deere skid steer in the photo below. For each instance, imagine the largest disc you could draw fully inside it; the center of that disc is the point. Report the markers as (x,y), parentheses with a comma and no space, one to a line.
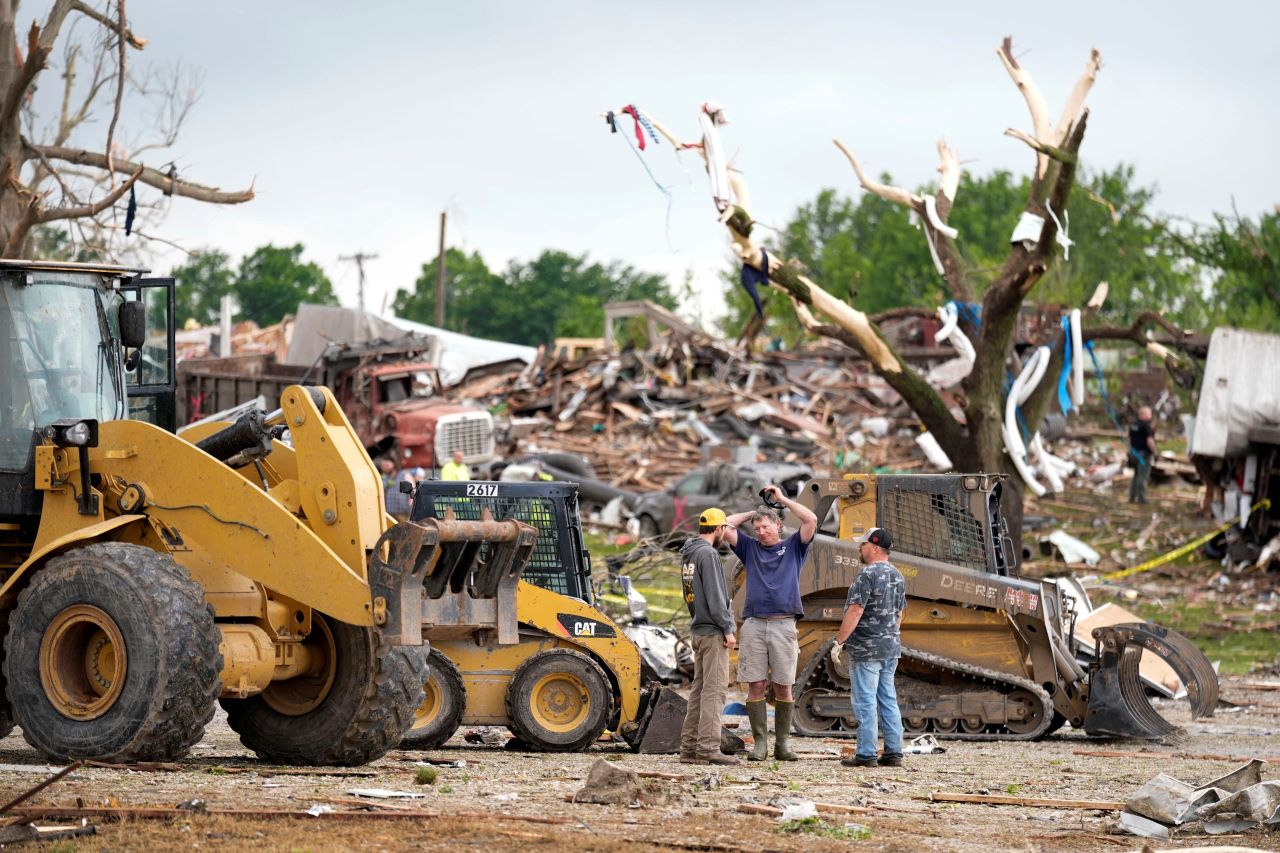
(985,654)
(145,577)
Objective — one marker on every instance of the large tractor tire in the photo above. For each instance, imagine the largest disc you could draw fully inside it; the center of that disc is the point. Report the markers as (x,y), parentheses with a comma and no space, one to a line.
(6,710)
(352,710)
(559,701)
(112,655)
(440,713)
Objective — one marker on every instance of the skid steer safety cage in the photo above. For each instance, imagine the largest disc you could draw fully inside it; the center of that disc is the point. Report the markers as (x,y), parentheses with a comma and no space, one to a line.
(537,505)
(928,519)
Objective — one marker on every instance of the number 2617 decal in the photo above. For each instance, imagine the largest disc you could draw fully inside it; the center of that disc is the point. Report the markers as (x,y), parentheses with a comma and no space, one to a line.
(482,490)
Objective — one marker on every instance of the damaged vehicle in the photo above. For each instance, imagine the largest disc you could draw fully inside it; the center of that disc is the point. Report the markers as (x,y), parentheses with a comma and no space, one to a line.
(732,487)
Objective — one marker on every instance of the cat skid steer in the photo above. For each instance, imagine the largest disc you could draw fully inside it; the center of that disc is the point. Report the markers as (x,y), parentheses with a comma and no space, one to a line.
(569,673)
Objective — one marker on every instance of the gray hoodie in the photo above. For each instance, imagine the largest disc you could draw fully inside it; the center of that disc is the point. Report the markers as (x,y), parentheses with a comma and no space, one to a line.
(705,591)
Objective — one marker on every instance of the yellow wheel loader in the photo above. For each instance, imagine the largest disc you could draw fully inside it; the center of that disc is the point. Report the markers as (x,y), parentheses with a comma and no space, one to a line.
(569,673)
(986,655)
(145,576)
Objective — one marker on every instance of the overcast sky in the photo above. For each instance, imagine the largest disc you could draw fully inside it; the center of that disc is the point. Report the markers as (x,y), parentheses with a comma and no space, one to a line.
(360,122)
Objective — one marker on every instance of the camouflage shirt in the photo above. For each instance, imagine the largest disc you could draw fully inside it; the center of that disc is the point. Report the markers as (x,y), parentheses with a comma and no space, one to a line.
(881,591)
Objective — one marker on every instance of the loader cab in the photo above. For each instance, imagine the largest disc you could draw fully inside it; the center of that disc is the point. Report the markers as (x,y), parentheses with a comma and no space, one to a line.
(63,334)
(560,562)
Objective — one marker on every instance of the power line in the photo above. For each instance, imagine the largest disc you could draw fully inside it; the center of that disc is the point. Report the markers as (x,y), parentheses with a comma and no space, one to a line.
(359,258)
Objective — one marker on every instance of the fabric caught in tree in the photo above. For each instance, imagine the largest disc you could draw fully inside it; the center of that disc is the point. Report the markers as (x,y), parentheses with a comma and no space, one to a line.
(752,278)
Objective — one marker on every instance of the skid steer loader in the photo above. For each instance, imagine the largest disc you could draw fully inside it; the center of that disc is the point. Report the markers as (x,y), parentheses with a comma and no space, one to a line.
(145,577)
(986,655)
(569,673)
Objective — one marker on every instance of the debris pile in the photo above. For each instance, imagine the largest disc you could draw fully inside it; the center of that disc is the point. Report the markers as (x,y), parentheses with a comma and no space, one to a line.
(647,416)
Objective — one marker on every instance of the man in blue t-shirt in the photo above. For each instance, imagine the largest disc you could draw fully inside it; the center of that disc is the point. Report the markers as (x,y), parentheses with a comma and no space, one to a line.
(768,643)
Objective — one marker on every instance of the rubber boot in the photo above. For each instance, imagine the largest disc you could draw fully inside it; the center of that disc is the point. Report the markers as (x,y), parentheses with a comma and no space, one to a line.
(758,714)
(782,730)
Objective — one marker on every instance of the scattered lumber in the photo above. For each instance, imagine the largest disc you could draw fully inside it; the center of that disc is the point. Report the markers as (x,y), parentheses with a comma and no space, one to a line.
(1037,802)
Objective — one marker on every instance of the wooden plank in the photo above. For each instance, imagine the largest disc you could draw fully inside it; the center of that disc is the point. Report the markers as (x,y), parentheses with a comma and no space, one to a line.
(1191,756)
(168,813)
(1037,802)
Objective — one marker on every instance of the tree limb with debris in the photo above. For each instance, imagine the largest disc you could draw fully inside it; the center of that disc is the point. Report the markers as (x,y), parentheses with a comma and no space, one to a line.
(47,174)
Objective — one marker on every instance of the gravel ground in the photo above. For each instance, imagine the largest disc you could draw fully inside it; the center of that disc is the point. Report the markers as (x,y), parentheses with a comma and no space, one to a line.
(481,803)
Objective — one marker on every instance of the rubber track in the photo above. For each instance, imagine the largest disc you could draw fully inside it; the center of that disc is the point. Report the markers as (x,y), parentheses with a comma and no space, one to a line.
(988,676)
(976,674)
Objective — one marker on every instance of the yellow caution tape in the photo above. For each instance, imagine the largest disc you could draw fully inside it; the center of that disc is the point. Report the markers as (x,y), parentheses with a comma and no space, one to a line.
(1181,550)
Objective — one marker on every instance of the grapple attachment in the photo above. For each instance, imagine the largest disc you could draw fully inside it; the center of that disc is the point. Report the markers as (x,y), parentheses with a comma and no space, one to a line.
(1118,705)
(438,558)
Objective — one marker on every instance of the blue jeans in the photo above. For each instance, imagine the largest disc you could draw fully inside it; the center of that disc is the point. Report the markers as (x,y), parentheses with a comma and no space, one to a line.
(873,691)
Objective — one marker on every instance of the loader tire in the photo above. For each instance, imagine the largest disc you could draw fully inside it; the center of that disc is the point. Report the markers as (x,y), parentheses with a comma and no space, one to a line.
(558,701)
(440,713)
(112,655)
(353,710)
(6,710)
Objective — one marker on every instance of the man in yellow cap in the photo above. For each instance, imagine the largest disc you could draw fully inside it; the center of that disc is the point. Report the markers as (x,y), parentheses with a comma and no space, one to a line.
(707,596)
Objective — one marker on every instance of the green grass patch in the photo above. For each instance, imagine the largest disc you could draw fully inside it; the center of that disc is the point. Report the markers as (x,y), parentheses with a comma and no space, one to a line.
(817,826)
(426,776)
(1242,640)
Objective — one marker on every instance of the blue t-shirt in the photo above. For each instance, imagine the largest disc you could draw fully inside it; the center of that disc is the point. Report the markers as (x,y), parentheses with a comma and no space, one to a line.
(773,575)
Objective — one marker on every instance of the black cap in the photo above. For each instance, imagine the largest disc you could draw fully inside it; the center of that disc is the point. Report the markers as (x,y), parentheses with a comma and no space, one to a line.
(878,536)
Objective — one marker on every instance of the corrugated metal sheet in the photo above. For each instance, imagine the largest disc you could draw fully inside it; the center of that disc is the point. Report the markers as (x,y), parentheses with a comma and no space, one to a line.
(1241,390)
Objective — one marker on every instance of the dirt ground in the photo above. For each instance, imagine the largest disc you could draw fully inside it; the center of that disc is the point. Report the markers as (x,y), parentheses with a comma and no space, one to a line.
(502,800)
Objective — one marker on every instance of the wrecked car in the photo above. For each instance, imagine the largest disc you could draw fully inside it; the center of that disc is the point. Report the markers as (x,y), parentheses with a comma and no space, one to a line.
(732,487)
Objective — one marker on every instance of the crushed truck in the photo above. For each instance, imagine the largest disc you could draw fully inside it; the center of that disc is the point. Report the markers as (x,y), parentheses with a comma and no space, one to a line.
(389,390)
(148,577)
(986,654)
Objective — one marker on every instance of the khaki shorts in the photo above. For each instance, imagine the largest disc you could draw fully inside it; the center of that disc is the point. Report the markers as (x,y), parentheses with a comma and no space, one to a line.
(768,649)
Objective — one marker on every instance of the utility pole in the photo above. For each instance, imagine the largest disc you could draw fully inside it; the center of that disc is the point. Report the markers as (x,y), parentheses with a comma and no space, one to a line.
(359,258)
(440,277)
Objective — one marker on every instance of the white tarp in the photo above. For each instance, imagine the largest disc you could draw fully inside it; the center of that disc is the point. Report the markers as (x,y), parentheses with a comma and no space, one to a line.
(1239,391)
(460,353)
(316,325)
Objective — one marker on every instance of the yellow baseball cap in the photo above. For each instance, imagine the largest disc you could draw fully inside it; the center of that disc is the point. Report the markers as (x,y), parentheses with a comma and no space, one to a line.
(712,517)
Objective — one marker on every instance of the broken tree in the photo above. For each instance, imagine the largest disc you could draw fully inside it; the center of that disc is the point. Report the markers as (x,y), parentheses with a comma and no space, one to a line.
(45,176)
(974,431)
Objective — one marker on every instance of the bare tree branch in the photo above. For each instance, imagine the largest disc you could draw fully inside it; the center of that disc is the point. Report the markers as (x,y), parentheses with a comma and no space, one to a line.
(90,12)
(150,177)
(55,213)
(115,112)
(37,56)
(1044,148)
(1043,130)
(1075,103)
(949,169)
(893,194)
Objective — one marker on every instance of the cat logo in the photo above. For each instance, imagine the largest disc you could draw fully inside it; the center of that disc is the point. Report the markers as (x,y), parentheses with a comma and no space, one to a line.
(590,629)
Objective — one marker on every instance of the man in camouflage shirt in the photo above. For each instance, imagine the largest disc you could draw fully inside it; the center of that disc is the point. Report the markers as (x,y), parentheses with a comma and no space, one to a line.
(871,638)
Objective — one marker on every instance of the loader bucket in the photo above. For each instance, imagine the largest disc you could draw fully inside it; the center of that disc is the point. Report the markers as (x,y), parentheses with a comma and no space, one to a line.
(1118,705)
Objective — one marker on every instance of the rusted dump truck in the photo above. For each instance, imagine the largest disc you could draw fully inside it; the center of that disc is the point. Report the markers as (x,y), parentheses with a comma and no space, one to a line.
(389,390)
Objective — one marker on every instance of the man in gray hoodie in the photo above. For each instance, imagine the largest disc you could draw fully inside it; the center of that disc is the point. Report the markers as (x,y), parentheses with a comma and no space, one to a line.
(707,596)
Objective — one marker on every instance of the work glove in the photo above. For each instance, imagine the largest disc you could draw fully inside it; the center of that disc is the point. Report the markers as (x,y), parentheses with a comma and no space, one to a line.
(836,653)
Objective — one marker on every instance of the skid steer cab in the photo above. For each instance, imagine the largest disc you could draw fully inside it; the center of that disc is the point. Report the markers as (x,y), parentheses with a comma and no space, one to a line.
(148,577)
(986,655)
(568,673)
